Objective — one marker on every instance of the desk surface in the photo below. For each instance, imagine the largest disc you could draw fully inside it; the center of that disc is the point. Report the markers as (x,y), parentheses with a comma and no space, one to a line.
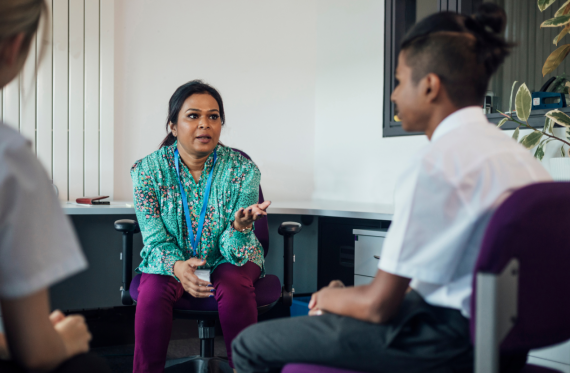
(312,207)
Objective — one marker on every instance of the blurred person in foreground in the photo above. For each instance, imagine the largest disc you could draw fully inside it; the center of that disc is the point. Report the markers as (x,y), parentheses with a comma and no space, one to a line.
(37,245)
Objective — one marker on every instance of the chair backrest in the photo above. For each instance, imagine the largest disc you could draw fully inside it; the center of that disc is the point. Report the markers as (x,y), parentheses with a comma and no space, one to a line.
(261,226)
(533,226)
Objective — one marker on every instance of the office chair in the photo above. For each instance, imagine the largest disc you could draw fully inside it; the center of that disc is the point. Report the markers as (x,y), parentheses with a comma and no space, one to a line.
(521,280)
(268,291)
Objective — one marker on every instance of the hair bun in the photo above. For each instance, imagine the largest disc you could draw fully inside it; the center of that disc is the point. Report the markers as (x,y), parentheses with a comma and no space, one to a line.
(491,17)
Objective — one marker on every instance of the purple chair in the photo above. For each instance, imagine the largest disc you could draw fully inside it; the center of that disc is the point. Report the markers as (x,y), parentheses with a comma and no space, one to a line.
(522,280)
(268,291)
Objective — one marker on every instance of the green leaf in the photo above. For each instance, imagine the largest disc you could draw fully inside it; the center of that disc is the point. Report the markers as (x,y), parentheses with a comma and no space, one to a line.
(559,117)
(543,4)
(556,21)
(568,133)
(503,121)
(562,151)
(564,9)
(555,59)
(548,124)
(531,140)
(516,134)
(511,99)
(561,34)
(539,153)
(523,103)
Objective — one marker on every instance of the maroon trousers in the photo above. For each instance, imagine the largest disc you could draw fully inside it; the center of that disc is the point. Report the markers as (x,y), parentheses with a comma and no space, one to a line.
(158,293)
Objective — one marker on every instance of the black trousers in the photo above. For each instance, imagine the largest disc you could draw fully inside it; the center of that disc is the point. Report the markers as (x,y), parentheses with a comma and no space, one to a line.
(84,363)
(420,338)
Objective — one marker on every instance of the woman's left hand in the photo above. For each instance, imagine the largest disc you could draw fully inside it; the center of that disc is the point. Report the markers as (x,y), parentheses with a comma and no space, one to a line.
(244,218)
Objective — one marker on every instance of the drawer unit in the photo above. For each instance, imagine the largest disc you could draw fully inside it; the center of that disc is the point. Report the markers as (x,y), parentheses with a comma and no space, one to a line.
(367,251)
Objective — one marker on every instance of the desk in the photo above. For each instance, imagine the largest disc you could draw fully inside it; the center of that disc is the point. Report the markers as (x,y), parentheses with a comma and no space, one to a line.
(337,209)
(320,249)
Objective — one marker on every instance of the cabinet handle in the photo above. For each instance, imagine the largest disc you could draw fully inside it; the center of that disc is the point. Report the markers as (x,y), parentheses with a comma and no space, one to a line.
(376,256)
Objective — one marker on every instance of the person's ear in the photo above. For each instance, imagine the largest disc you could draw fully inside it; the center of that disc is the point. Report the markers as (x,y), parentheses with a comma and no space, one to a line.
(11,49)
(173,129)
(432,87)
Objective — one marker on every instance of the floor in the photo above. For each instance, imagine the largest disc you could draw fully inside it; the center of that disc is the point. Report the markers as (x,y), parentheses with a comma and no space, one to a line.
(113,338)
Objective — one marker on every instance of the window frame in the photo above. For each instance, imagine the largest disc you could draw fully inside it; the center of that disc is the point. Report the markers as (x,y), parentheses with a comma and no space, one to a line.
(394,30)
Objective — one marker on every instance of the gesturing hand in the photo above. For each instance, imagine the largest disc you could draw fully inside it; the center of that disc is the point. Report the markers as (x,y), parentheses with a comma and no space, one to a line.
(185,271)
(244,218)
(313,303)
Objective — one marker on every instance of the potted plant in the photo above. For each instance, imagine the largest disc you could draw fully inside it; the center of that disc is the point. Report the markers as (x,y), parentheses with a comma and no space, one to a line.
(559,167)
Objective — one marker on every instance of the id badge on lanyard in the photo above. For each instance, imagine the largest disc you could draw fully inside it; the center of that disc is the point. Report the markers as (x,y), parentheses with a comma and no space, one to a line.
(203,274)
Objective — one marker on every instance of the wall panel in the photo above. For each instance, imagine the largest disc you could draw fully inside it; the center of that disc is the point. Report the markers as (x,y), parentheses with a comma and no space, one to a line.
(44,102)
(28,97)
(76,86)
(91,119)
(63,99)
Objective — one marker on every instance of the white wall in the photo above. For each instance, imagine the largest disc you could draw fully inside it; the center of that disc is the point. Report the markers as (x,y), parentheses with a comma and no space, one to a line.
(353,162)
(260,54)
(302,82)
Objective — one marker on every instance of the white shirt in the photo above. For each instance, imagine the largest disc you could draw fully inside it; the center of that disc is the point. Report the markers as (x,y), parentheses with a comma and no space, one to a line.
(37,244)
(443,201)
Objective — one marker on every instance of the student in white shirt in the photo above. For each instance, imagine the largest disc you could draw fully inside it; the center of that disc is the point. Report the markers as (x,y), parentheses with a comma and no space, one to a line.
(414,316)
(37,245)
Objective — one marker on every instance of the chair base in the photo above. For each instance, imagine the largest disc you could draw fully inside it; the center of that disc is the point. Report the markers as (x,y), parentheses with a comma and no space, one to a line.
(198,364)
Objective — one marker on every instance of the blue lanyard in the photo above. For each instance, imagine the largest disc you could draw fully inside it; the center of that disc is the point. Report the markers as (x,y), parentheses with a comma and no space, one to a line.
(193,241)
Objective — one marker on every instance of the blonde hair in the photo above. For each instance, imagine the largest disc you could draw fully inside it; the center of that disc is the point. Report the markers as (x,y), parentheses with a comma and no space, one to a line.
(22,16)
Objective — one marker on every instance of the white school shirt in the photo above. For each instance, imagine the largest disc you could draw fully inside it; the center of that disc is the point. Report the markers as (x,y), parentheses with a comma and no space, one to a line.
(37,244)
(443,201)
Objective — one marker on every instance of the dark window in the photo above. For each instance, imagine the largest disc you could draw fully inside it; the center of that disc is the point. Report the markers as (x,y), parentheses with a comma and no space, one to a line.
(524,65)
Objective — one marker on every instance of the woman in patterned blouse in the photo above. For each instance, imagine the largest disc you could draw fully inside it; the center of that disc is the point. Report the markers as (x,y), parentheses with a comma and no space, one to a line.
(227,244)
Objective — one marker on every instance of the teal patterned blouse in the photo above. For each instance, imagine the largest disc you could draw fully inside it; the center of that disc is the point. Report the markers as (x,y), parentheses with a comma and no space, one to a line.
(160,213)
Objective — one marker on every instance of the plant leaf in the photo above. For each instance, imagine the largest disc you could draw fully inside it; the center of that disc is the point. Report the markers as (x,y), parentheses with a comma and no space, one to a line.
(555,59)
(516,134)
(548,124)
(511,99)
(539,153)
(568,133)
(561,34)
(543,4)
(564,9)
(523,102)
(556,21)
(531,140)
(562,151)
(559,117)
(503,121)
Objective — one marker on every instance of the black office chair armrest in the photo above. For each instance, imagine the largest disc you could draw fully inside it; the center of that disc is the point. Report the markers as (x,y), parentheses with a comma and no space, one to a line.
(288,229)
(128,228)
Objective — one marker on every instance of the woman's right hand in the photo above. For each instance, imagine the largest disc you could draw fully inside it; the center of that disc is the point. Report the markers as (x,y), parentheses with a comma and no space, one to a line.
(185,271)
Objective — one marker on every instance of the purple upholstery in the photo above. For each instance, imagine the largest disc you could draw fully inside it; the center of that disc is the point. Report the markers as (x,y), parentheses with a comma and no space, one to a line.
(532,225)
(309,368)
(267,291)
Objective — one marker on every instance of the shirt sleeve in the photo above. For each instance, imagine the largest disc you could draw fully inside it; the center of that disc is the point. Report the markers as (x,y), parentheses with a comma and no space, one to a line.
(161,248)
(235,246)
(426,239)
(38,246)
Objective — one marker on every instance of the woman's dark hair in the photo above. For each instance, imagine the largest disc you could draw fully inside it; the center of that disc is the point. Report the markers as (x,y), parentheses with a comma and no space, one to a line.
(464,52)
(177,100)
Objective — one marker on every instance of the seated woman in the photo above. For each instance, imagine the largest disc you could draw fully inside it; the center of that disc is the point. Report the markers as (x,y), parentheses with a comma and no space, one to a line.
(196,201)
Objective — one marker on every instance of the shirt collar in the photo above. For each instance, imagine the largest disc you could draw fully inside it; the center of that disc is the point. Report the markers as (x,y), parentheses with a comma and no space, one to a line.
(468,115)
(208,163)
